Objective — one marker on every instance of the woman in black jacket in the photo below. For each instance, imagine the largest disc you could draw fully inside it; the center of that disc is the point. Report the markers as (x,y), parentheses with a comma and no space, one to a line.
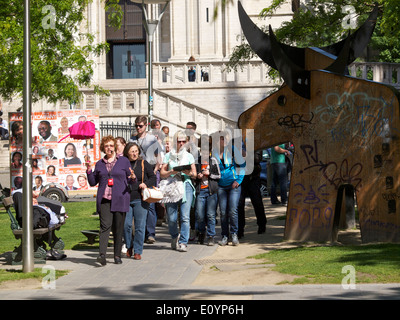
(138,208)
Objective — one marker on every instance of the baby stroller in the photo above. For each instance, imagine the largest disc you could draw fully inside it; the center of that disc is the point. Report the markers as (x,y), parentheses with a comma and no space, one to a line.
(47,245)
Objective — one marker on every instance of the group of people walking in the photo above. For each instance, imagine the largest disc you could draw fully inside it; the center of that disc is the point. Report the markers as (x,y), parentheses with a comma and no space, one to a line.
(210,176)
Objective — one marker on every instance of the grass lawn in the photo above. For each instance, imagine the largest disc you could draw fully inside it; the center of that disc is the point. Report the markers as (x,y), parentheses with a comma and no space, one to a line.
(80,217)
(13,275)
(379,263)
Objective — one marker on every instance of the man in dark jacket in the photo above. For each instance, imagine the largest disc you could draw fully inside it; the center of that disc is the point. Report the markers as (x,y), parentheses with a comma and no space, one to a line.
(208,174)
(251,187)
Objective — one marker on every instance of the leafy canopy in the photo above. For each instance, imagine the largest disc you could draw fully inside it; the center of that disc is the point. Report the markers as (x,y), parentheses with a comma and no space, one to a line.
(319,23)
(62,52)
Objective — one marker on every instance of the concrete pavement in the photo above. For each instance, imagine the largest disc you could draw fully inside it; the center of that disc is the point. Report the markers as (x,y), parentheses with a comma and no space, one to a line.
(165,274)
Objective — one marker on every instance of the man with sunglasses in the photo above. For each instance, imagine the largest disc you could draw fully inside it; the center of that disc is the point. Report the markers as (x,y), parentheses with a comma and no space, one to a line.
(150,149)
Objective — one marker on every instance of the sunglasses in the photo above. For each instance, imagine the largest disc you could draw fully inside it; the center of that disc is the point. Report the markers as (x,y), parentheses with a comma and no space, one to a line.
(139,126)
(181,141)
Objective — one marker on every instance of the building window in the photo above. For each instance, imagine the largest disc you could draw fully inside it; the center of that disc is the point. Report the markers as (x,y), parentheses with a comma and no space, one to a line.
(127,56)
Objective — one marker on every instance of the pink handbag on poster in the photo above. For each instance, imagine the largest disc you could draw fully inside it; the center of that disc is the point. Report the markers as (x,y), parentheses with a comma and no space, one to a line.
(81,130)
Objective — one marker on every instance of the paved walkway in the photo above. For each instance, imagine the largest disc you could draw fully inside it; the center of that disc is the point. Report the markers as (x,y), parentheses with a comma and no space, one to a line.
(164,274)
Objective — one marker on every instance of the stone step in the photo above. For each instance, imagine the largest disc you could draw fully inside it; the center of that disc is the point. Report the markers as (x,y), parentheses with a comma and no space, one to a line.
(4,154)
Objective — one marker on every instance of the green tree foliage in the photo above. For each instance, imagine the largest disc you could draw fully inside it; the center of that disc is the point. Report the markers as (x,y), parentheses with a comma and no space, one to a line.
(62,52)
(319,23)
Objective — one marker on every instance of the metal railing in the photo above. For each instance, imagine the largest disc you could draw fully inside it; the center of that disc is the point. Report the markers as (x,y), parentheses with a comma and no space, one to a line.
(118,129)
(209,73)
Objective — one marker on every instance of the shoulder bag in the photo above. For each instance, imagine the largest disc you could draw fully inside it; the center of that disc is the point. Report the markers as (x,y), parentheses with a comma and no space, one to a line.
(150,195)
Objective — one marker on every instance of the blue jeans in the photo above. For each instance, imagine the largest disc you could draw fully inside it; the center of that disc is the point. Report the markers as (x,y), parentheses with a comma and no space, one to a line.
(172,212)
(138,211)
(228,199)
(279,175)
(151,221)
(206,204)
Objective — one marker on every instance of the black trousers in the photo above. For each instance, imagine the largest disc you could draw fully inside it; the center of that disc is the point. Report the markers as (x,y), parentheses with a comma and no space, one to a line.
(251,187)
(3,133)
(111,221)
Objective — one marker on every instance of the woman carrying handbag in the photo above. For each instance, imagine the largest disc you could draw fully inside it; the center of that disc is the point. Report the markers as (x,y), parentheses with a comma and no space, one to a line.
(145,178)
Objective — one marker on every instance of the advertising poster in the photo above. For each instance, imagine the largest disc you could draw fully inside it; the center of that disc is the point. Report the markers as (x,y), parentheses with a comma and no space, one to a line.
(56,157)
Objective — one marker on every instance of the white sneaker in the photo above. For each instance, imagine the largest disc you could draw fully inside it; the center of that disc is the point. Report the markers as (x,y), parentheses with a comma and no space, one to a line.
(182,247)
(224,241)
(235,240)
(124,248)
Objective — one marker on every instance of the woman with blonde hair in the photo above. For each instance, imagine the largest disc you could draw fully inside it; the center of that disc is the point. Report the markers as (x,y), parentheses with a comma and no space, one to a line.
(82,181)
(64,129)
(178,156)
(167,143)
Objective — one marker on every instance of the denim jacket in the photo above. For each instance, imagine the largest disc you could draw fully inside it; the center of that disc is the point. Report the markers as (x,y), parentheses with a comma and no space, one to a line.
(230,171)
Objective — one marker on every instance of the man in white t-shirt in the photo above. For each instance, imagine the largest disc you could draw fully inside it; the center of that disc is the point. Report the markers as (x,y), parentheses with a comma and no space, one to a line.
(147,142)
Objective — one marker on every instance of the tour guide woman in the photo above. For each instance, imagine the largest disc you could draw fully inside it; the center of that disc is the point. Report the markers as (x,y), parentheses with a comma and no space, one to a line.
(178,156)
(113,174)
(138,208)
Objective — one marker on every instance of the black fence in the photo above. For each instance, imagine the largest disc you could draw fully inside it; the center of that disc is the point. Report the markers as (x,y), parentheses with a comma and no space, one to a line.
(118,129)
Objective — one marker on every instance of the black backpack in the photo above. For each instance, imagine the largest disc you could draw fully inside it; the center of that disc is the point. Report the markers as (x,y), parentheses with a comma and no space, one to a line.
(41,218)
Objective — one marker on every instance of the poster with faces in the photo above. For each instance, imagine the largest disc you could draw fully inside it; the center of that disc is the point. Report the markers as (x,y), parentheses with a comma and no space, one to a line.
(55,156)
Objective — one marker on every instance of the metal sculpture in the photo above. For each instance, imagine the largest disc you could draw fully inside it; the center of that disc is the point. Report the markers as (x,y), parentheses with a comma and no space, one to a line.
(346,133)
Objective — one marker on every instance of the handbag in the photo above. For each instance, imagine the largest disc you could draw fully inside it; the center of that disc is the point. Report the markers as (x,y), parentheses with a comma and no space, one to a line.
(151,195)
